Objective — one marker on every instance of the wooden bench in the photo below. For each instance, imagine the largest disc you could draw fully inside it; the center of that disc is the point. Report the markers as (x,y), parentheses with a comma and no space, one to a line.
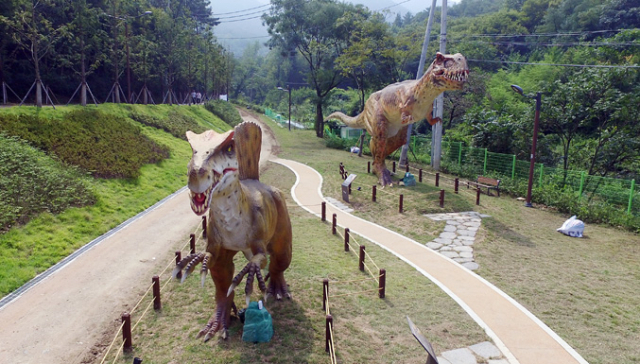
(486,182)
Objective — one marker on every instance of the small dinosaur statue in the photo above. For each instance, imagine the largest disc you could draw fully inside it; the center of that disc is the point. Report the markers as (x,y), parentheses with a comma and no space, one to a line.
(244,215)
(388,112)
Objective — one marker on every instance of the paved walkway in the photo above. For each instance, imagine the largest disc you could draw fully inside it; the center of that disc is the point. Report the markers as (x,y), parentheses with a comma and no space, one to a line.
(517,333)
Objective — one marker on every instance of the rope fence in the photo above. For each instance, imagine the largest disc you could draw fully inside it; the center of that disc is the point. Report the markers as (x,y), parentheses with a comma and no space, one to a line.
(362,256)
(125,328)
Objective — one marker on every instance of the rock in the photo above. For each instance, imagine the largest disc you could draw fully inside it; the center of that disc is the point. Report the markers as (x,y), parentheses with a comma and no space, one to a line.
(471,265)
(466,254)
(450,228)
(464,233)
(450,254)
(433,245)
(463,249)
(448,235)
(442,241)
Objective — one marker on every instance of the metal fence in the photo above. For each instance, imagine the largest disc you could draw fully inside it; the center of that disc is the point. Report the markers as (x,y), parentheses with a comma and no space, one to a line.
(480,161)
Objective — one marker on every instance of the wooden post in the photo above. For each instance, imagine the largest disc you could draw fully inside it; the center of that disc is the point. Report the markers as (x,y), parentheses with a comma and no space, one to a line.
(400,207)
(437,179)
(420,175)
(325,291)
(373,194)
(324,211)
(407,167)
(157,305)
(329,328)
(441,198)
(369,167)
(333,226)
(126,331)
(346,239)
(394,166)
(457,182)
(382,283)
(361,260)
(192,243)
(478,196)
(204,227)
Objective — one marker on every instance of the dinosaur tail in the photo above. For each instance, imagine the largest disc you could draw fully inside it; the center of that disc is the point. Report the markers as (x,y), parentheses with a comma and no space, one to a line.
(356,122)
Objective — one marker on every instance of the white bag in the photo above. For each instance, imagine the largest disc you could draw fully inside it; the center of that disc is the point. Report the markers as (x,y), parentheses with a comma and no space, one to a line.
(572,227)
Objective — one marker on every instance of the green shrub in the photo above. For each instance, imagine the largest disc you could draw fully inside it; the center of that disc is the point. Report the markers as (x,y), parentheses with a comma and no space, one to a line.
(31,183)
(225,111)
(175,124)
(105,145)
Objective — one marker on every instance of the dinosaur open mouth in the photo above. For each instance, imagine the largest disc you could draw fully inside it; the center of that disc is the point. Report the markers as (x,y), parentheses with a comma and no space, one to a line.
(200,201)
(457,76)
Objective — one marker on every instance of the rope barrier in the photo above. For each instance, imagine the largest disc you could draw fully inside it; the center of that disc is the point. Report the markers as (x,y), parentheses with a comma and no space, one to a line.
(112,342)
(351,281)
(142,316)
(327,310)
(371,273)
(141,298)
(371,259)
(332,348)
(118,353)
(352,293)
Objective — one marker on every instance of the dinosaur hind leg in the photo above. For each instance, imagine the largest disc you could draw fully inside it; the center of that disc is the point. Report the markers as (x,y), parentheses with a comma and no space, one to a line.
(280,252)
(378,150)
(222,273)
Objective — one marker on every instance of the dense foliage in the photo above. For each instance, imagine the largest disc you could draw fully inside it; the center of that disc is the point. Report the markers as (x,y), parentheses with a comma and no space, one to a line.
(32,183)
(104,145)
(224,111)
(175,123)
(169,47)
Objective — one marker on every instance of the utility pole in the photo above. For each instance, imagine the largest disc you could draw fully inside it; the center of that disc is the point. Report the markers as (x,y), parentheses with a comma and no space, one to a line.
(436,130)
(404,160)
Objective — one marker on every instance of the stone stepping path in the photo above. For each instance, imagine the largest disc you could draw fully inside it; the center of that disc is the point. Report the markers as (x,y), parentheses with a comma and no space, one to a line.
(456,241)
(339,204)
(484,352)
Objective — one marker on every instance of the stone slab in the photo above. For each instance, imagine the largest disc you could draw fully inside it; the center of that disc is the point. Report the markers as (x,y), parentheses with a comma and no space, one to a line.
(450,228)
(443,241)
(463,249)
(449,254)
(471,265)
(433,245)
(486,350)
(460,356)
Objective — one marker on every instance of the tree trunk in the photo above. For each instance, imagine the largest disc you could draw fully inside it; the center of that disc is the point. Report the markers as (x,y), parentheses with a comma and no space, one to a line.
(319,119)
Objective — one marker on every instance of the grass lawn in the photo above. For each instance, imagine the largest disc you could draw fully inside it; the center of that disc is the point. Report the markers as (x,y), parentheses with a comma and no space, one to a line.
(367,329)
(584,289)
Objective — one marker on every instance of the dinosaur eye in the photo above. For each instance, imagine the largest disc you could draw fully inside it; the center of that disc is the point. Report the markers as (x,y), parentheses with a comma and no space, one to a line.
(229,149)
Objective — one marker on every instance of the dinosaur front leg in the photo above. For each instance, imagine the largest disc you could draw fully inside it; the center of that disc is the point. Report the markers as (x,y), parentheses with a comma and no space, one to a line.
(222,273)
(251,270)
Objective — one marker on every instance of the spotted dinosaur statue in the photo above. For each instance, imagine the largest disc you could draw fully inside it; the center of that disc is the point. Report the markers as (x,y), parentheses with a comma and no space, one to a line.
(388,112)
(244,215)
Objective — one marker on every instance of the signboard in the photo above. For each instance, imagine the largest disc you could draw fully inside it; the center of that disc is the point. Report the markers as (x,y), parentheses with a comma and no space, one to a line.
(345,187)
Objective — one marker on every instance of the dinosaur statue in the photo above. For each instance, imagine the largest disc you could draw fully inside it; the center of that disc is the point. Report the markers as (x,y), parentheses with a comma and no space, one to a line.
(388,112)
(244,215)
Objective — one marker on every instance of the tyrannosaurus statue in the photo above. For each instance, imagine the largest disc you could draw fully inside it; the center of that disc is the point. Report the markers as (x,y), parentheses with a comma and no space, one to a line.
(244,215)
(388,112)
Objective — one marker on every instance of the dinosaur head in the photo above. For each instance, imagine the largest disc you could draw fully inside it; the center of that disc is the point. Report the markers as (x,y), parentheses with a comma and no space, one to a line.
(448,71)
(213,166)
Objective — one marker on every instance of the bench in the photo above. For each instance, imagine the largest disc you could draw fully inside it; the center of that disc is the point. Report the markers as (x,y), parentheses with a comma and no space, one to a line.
(486,182)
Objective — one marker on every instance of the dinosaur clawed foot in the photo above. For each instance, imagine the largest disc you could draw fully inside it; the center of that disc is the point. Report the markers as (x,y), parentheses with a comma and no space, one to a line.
(385,178)
(251,270)
(278,287)
(190,263)
(219,322)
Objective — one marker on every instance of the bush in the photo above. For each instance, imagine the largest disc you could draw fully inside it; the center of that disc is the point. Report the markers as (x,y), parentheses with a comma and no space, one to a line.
(175,124)
(225,111)
(31,183)
(105,145)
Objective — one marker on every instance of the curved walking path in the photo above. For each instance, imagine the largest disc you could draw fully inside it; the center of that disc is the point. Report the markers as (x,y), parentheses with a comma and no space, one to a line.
(520,336)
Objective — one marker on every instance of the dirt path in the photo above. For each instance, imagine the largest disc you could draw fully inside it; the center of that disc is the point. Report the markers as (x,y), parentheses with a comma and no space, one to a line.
(69,316)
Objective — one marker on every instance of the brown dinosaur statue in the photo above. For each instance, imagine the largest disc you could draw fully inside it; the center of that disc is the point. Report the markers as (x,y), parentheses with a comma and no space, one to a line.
(388,112)
(244,215)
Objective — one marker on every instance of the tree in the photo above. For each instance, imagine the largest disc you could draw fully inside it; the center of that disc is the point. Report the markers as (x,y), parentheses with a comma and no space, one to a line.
(311,28)
(34,33)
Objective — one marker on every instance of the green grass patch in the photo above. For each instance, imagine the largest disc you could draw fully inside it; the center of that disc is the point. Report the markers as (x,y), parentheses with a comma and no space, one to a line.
(29,249)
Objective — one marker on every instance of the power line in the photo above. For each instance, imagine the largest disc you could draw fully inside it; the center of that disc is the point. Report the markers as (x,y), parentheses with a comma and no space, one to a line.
(552,64)
(569,34)
(241,15)
(574,44)
(237,20)
(241,11)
